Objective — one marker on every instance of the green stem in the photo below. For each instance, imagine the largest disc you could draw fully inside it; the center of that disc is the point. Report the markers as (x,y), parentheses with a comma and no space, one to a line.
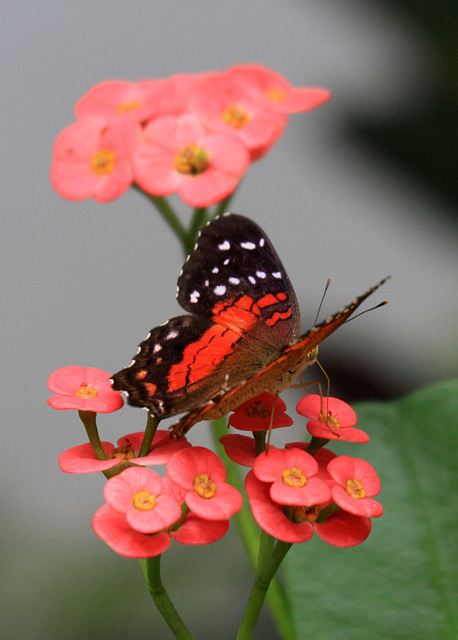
(151,568)
(249,532)
(167,213)
(199,218)
(259,591)
(88,418)
(152,424)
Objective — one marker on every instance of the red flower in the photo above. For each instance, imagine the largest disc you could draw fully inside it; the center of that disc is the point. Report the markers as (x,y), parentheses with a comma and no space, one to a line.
(259,413)
(194,530)
(331,418)
(228,107)
(275,91)
(356,481)
(323,456)
(297,523)
(82,459)
(113,528)
(83,388)
(291,472)
(240,449)
(93,160)
(270,515)
(135,101)
(202,474)
(343,529)
(177,154)
(138,493)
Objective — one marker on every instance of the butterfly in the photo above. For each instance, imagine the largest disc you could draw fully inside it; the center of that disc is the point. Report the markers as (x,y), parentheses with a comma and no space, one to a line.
(241,334)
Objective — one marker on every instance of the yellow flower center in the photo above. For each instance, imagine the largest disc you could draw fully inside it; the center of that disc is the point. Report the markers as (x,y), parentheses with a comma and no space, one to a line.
(123,453)
(305,513)
(103,161)
(236,117)
(204,486)
(293,477)
(130,105)
(329,420)
(86,391)
(354,488)
(192,160)
(144,501)
(276,95)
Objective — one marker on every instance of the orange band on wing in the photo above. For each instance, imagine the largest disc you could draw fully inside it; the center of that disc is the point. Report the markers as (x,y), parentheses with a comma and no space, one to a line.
(201,357)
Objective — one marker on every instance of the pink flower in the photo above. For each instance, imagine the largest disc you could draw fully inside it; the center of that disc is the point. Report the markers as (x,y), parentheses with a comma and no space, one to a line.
(228,107)
(93,160)
(134,101)
(177,154)
(83,388)
(275,91)
(202,474)
(112,527)
(261,412)
(291,474)
(356,481)
(331,419)
(138,493)
(82,459)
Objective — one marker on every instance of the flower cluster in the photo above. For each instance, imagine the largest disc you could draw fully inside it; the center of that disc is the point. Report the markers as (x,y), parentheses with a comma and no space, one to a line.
(194,135)
(291,492)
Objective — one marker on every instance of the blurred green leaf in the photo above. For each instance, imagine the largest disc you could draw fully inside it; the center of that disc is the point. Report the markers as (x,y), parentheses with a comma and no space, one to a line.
(401,582)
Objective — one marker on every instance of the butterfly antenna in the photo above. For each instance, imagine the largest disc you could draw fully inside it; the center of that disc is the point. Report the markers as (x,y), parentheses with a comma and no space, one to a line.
(361,313)
(322,299)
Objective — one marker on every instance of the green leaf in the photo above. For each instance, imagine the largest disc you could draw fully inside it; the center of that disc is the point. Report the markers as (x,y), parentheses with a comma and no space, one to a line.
(401,582)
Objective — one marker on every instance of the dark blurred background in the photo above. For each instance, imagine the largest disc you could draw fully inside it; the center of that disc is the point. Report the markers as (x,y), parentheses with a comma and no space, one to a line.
(363,187)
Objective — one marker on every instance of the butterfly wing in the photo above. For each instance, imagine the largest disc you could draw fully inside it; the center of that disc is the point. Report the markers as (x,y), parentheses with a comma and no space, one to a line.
(243,311)
(235,277)
(278,374)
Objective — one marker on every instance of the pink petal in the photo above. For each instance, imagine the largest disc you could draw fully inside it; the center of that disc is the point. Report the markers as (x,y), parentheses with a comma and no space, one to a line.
(344,529)
(113,529)
(194,530)
(224,504)
(81,459)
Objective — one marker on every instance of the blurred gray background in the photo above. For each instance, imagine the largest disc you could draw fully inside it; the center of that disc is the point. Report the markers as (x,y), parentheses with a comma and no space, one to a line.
(355,190)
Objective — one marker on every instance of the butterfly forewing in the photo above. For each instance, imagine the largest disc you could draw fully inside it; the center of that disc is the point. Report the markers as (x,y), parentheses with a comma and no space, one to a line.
(235,276)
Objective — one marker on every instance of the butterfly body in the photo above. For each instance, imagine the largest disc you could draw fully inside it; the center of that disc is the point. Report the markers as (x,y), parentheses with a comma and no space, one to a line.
(240,337)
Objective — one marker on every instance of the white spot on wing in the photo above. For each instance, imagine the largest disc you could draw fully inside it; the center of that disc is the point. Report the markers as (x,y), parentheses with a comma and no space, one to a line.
(172,334)
(206,283)
(234,280)
(224,246)
(277,274)
(157,347)
(262,242)
(220,290)
(252,280)
(215,270)
(248,245)
(261,274)
(194,297)
(226,262)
